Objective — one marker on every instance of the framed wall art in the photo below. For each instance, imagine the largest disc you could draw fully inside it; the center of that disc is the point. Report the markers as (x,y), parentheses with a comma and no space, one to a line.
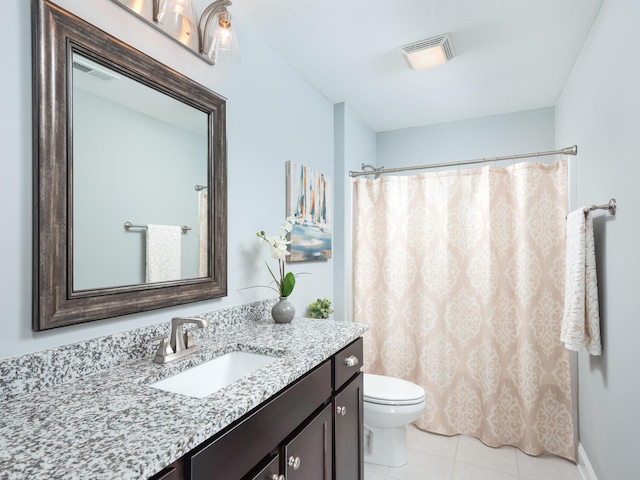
(309,200)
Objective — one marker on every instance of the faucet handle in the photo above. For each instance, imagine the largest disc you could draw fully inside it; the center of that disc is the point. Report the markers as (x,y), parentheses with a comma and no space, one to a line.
(189,342)
(156,338)
(164,348)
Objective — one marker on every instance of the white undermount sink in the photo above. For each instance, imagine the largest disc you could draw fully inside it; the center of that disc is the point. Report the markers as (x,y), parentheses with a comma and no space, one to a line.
(209,377)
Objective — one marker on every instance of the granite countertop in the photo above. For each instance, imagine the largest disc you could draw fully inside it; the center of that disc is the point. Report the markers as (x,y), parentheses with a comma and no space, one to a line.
(112,425)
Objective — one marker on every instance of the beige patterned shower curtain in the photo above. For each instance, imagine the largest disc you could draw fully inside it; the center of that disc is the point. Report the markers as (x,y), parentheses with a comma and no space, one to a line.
(460,276)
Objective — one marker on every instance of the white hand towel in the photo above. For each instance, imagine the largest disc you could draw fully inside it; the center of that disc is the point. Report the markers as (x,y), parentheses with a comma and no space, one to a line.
(581,320)
(163,253)
(203,241)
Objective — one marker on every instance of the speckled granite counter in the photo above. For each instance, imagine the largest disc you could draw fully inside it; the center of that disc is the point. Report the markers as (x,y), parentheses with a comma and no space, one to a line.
(112,425)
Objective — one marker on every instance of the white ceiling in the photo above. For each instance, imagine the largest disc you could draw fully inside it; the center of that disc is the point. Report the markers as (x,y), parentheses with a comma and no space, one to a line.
(511,55)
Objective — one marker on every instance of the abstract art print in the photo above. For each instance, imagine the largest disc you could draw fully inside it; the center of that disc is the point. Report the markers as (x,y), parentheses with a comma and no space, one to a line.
(309,202)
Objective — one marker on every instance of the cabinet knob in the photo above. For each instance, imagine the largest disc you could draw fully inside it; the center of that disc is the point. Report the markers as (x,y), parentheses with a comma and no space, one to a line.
(275,476)
(294,462)
(341,410)
(351,361)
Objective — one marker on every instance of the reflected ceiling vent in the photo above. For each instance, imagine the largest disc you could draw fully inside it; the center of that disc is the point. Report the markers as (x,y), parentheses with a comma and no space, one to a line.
(428,53)
(92,69)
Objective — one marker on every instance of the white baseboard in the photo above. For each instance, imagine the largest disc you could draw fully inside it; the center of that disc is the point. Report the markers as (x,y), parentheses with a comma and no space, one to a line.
(584,466)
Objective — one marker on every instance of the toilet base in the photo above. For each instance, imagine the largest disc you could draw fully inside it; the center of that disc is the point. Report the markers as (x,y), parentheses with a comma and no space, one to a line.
(385,446)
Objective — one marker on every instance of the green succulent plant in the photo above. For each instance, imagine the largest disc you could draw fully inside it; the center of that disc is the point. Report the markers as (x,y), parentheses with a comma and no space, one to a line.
(321,308)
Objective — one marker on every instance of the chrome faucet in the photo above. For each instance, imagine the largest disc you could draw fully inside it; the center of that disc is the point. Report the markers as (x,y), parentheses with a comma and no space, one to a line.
(179,343)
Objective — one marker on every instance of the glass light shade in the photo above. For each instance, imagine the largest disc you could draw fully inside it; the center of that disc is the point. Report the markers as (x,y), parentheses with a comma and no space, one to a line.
(177,17)
(223,44)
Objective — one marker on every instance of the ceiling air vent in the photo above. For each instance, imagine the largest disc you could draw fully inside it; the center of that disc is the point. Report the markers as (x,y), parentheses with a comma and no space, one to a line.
(94,71)
(428,53)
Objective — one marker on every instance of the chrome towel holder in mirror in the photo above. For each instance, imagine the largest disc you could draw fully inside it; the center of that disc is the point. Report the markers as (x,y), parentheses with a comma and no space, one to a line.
(129,226)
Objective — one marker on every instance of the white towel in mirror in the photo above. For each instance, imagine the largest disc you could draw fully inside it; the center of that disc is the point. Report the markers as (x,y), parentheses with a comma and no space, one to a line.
(163,253)
(203,241)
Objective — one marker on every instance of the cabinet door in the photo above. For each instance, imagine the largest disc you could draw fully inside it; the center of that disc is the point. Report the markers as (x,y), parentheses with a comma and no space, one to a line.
(269,472)
(348,434)
(309,455)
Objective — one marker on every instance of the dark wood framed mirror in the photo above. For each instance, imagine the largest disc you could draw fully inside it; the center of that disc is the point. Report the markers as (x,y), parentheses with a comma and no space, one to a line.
(94,169)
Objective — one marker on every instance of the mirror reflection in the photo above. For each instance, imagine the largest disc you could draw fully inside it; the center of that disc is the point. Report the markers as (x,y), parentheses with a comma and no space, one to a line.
(138,156)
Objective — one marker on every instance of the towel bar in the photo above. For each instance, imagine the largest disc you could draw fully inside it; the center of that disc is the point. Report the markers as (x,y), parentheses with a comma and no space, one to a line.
(612,206)
(129,226)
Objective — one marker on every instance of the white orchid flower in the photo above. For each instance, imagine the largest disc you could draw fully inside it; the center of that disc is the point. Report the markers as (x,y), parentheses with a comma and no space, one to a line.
(278,253)
(278,247)
(286,226)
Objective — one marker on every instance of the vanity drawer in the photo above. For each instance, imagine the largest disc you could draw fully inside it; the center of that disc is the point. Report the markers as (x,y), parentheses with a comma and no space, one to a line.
(347,363)
(238,450)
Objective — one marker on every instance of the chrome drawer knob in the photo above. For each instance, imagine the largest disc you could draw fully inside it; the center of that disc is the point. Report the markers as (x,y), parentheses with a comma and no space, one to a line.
(351,361)
(275,476)
(341,410)
(294,462)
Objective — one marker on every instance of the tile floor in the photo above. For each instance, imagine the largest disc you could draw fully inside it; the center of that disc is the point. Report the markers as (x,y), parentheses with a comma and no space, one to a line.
(436,457)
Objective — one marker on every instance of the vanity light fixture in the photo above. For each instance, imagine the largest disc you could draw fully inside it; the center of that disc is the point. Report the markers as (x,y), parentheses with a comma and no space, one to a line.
(428,53)
(176,16)
(219,44)
(212,38)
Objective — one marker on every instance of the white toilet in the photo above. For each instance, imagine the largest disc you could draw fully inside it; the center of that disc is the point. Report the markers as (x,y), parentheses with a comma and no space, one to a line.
(390,404)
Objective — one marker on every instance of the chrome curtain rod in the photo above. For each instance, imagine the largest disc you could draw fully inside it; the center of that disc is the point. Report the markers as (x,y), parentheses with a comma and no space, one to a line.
(379,171)
(128,226)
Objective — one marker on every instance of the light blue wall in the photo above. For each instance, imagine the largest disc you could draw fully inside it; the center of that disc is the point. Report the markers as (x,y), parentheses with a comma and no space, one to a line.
(598,110)
(355,143)
(494,136)
(274,115)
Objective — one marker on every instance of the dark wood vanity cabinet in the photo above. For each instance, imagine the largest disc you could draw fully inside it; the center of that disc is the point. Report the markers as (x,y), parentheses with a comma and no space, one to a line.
(311,430)
(348,451)
(306,455)
(348,458)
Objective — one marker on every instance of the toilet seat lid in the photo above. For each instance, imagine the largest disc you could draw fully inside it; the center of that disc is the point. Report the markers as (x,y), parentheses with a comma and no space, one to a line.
(391,391)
